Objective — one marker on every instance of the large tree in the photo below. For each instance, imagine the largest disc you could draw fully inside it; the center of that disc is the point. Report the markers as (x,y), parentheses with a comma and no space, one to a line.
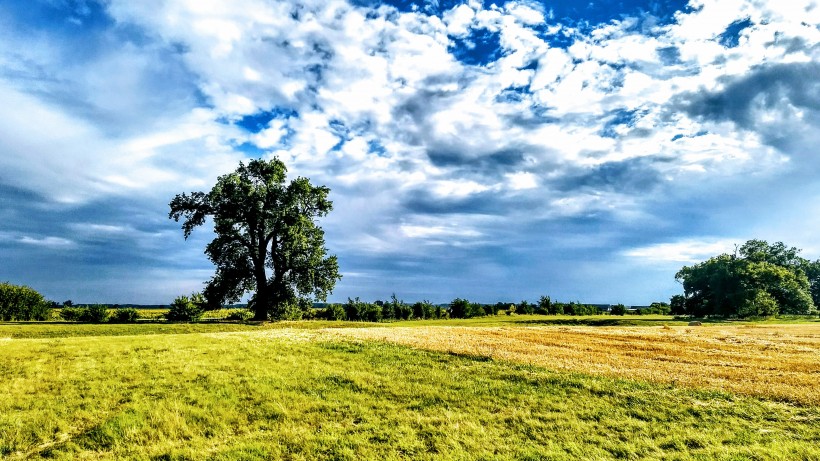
(267,240)
(758,280)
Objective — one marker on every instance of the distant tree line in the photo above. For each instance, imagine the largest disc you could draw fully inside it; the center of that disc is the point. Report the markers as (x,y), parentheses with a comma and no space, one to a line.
(459,308)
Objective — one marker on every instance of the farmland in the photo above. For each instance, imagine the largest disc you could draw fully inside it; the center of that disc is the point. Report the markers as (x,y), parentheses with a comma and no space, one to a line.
(409,390)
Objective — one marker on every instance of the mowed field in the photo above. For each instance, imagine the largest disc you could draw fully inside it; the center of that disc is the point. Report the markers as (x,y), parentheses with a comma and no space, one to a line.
(409,391)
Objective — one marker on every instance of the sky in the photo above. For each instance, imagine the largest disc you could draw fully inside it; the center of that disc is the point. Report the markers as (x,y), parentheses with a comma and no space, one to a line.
(495,151)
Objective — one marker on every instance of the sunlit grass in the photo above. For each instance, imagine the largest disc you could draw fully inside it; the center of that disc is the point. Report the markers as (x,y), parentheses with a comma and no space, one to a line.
(295,393)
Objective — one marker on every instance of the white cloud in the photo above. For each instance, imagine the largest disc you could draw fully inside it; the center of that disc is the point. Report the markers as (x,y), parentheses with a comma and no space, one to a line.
(48,242)
(684,251)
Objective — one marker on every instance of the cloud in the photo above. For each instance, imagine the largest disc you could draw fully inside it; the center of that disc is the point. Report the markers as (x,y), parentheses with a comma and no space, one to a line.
(689,251)
(490,131)
(48,242)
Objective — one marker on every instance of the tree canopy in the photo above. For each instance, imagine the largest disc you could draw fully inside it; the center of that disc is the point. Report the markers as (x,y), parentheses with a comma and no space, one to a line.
(757,280)
(267,239)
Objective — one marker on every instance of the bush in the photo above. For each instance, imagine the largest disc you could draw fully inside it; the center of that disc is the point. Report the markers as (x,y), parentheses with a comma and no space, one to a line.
(185,309)
(333,312)
(358,310)
(95,313)
(293,310)
(371,312)
(544,306)
(239,314)
(440,313)
(125,315)
(459,308)
(525,307)
(22,303)
(72,314)
(423,310)
(618,309)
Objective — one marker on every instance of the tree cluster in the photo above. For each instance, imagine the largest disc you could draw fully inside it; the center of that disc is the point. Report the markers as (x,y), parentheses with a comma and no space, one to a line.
(22,303)
(98,313)
(395,309)
(758,280)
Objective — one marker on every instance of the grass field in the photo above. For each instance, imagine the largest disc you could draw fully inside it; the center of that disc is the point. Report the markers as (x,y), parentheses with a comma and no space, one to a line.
(306,391)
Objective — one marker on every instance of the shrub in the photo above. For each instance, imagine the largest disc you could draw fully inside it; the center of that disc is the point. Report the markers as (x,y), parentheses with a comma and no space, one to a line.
(476,310)
(239,314)
(22,303)
(371,312)
(294,310)
(333,312)
(459,308)
(544,306)
(525,307)
(358,310)
(185,309)
(618,309)
(95,313)
(352,309)
(440,313)
(125,315)
(72,314)
(423,310)
(556,308)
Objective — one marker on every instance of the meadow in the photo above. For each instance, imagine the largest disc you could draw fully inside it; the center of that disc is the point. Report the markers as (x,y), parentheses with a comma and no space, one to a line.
(497,388)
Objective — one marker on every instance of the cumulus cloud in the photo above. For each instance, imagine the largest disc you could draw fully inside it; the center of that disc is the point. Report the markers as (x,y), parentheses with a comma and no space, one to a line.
(441,124)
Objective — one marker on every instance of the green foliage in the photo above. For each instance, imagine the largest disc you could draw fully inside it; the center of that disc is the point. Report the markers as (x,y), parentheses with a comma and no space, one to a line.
(656,308)
(239,314)
(746,284)
(125,315)
(423,310)
(760,304)
(22,303)
(574,308)
(618,309)
(72,314)
(267,240)
(525,307)
(359,310)
(677,305)
(440,313)
(187,309)
(463,309)
(333,312)
(460,309)
(94,313)
(544,306)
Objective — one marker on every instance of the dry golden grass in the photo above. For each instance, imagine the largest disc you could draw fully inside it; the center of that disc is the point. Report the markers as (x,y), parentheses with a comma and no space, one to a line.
(779,362)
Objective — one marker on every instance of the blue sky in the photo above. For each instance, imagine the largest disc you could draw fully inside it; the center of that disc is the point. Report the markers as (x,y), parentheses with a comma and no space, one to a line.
(488,150)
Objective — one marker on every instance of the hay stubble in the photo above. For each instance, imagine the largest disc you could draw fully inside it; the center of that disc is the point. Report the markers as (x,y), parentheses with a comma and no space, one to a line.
(780,362)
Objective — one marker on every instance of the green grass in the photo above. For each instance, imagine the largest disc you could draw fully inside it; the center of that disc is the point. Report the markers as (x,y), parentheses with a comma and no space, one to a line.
(283,393)
(33,330)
